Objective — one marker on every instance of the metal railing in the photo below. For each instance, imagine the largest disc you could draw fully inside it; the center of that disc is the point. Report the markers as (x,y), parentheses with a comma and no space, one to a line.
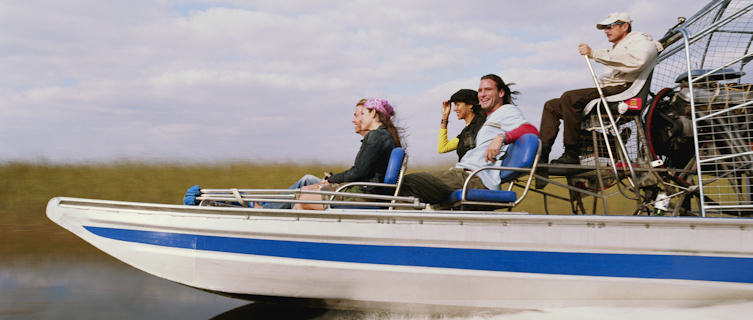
(707,71)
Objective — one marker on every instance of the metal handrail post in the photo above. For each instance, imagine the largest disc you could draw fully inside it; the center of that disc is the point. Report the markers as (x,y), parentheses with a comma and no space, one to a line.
(614,126)
(685,37)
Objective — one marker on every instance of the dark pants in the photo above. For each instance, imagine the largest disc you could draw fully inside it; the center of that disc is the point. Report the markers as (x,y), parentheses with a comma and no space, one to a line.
(436,187)
(569,109)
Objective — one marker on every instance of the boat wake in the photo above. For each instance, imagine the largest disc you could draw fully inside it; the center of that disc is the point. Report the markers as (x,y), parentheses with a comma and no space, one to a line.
(270,311)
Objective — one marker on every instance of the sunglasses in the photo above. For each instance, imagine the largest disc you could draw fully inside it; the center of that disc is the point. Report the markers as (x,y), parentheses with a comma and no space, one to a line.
(616,23)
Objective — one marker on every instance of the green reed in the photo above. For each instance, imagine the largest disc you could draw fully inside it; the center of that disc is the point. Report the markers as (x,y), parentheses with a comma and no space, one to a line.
(27,187)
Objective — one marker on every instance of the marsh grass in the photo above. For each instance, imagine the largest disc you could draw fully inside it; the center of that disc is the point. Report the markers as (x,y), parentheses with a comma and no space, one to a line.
(27,187)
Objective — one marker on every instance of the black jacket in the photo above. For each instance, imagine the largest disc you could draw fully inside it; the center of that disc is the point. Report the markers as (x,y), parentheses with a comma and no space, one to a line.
(467,137)
(371,161)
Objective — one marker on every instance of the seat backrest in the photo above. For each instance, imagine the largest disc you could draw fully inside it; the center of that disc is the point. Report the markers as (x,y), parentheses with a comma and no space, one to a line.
(520,154)
(646,87)
(394,165)
(639,88)
(640,85)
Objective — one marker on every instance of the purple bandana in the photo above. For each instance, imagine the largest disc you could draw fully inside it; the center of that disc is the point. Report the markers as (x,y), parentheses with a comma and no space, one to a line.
(380,105)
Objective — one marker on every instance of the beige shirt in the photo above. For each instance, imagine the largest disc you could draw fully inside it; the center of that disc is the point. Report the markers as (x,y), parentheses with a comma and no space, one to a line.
(627,58)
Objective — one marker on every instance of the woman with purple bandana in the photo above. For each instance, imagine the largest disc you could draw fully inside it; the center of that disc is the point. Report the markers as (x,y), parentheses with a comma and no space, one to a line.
(381,136)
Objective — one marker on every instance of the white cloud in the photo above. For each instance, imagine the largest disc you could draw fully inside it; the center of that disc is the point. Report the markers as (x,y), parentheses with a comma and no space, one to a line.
(218,80)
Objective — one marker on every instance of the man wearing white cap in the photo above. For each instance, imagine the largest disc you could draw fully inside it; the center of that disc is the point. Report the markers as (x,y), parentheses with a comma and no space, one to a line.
(630,53)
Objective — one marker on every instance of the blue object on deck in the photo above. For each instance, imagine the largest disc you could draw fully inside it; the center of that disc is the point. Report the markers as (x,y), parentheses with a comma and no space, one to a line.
(190,198)
(484,195)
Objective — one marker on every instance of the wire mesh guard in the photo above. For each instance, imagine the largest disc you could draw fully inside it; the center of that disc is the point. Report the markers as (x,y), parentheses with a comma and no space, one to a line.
(715,118)
(595,152)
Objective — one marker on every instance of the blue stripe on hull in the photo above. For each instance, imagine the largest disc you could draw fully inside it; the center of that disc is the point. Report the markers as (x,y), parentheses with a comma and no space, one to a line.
(683,267)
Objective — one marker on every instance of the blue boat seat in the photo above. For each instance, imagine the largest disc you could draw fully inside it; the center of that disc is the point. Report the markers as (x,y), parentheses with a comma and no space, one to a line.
(522,155)
(393,178)
(394,166)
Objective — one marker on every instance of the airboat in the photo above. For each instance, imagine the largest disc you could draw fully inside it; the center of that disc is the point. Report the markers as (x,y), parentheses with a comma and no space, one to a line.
(678,144)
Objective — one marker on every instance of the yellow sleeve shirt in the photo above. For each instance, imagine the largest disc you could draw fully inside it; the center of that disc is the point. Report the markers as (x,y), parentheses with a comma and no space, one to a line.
(443,145)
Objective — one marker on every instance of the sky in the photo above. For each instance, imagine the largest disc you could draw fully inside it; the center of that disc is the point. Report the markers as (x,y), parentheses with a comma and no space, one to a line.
(276,81)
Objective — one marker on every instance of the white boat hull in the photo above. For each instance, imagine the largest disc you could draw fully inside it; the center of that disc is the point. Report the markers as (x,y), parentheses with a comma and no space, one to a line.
(500,260)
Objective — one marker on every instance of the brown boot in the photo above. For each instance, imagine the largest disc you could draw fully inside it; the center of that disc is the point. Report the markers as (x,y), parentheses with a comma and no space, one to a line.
(571,156)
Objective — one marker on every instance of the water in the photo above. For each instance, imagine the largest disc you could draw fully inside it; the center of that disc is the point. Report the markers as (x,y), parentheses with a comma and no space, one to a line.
(66,278)
(99,290)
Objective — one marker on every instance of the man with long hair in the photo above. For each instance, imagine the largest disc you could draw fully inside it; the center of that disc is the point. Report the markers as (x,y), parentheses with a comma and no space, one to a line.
(504,124)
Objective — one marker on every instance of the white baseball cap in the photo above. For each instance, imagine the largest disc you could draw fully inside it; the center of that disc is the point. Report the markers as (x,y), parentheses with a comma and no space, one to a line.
(612,18)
